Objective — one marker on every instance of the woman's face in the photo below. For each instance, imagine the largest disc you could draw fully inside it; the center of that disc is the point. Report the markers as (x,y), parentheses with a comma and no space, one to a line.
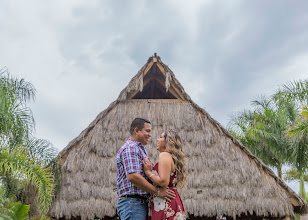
(161,143)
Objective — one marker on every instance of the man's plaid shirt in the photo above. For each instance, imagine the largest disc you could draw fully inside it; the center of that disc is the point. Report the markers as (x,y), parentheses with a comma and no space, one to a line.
(129,160)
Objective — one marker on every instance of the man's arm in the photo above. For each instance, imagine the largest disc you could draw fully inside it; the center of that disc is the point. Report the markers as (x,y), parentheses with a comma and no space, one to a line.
(143,184)
(132,163)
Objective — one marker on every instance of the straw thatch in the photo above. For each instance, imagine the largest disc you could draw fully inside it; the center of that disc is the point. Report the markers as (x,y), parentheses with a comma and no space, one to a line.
(223,176)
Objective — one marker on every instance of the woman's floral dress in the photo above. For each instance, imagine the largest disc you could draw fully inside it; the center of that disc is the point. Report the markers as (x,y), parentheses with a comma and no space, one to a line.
(160,209)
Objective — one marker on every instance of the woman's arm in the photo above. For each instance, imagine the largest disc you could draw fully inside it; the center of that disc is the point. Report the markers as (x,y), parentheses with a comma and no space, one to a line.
(164,170)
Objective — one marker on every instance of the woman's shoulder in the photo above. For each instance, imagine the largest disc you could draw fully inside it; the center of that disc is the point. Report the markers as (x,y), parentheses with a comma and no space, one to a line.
(166,158)
(165,155)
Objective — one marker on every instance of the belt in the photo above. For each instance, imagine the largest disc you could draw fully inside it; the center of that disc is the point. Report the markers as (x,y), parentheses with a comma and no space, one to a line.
(134,196)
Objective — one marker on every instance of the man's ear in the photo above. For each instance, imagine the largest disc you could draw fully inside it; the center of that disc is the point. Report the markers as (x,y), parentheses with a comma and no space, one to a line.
(136,130)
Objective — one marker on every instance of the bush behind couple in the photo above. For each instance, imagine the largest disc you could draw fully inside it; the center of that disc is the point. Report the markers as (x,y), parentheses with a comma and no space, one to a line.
(139,184)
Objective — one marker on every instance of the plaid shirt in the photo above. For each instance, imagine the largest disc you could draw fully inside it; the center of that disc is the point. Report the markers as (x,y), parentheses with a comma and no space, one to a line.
(129,160)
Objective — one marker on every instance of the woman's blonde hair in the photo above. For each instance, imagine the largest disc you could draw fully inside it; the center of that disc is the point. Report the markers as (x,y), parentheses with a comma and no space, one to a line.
(174,146)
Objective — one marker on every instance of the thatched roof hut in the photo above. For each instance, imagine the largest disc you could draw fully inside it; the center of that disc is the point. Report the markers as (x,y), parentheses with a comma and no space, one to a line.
(224,178)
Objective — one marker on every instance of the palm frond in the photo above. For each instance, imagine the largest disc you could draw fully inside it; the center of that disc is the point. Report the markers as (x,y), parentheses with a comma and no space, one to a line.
(296,91)
(42,177)
(41,150)
(262,102)
(299,129)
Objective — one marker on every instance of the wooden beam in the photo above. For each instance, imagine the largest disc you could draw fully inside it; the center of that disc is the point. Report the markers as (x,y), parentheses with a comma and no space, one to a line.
(161,68)
(148,68)
(132,94)
(171,89)
(159,100)
(147,79)
(294,201)
(177,90)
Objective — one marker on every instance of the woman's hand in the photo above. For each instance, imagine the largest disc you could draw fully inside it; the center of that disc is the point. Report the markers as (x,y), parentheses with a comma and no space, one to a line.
(147,167)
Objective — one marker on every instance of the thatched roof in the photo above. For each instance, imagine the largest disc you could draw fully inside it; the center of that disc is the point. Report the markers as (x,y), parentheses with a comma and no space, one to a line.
(229,179)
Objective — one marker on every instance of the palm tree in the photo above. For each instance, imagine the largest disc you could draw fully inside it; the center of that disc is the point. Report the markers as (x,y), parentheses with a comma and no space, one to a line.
(16,120)
(298,133)
(23,158)
(297,92)
(262,130)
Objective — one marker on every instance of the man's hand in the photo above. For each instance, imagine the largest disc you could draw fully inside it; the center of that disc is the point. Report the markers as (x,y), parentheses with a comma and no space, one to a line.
(166,194)
(147,167)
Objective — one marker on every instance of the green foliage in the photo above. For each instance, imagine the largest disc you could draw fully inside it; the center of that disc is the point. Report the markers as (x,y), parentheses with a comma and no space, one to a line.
(41,218)
(16,120)
(4,211)
(262,130)
(297,217)
(17,163)
(2,191)
(293,175)
(55,168)
(297,93)
(276,131)
(24,159)
(20,211)
(13,210)
(299,130)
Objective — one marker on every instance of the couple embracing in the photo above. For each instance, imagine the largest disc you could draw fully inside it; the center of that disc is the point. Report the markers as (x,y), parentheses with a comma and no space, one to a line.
(140,185)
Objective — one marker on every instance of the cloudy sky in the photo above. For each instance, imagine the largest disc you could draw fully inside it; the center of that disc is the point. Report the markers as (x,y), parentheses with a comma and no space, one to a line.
(79,55)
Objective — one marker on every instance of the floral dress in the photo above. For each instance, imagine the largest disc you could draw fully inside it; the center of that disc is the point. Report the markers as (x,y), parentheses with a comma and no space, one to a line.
(160,209)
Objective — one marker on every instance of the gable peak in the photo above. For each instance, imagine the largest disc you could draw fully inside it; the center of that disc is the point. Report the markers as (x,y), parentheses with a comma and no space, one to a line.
(157,82)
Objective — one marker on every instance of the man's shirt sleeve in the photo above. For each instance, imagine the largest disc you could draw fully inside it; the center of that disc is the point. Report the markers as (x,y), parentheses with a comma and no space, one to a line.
(132,160)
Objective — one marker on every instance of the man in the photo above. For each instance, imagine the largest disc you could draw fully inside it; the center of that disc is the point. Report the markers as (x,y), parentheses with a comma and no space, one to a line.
(133,187)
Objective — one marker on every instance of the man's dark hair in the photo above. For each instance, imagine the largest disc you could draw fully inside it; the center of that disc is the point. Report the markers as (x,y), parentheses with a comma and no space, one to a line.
(138,123)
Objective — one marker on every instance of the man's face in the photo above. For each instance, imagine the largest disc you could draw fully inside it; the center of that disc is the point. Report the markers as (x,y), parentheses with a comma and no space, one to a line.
(144,134)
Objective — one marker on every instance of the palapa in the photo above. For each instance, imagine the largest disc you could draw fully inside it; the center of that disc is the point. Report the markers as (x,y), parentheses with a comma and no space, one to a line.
(224,177)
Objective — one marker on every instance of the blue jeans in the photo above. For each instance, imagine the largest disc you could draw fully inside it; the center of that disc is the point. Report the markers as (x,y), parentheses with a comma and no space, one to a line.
(132,209)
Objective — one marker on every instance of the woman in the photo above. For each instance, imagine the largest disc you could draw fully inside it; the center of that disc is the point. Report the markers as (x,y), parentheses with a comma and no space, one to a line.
(170,171)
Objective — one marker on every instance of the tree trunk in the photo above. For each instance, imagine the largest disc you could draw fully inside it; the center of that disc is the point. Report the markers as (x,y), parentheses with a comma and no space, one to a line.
(279,172)
(301,185)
